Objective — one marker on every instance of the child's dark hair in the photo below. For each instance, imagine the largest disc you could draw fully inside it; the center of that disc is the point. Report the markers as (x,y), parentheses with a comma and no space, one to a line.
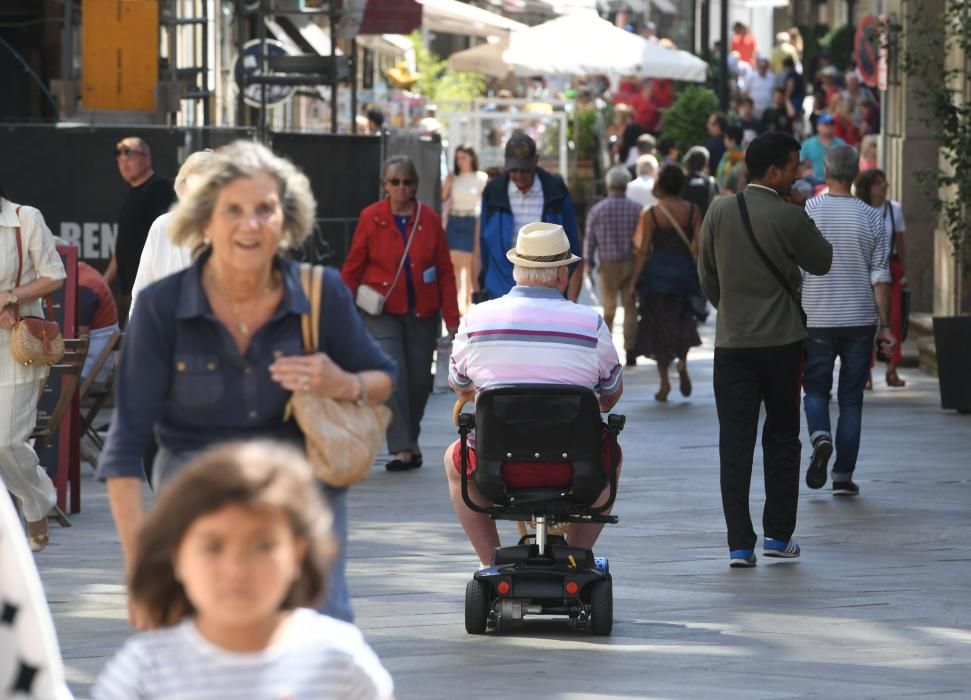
(251,474)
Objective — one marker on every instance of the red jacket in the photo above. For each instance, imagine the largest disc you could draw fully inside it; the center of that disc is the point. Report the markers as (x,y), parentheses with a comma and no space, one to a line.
(376,250)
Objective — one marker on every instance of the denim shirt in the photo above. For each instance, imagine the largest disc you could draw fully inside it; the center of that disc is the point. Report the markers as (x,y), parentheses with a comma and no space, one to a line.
(181,373)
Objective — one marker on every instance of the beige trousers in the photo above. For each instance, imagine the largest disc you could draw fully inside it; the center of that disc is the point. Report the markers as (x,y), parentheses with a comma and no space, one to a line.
(21,470)
(614,280)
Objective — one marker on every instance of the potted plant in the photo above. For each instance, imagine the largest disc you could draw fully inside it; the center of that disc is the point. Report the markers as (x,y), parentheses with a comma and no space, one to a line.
(934,52)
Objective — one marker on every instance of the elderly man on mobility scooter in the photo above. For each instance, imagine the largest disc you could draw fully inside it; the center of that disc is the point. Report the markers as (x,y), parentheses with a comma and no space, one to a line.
(554,365)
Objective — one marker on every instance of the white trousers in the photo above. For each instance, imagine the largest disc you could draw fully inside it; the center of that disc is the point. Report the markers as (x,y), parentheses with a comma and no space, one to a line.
(21,469)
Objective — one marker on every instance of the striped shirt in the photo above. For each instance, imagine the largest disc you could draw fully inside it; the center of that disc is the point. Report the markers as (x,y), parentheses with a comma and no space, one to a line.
(844,296)
(610,229)
(318,657)
(526,208)
(534,336)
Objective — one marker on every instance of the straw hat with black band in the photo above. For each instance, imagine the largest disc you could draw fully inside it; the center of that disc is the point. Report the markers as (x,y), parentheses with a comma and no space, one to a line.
(542,245)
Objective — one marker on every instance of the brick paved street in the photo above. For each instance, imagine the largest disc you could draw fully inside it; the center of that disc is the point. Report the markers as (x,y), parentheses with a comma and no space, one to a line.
(876,607)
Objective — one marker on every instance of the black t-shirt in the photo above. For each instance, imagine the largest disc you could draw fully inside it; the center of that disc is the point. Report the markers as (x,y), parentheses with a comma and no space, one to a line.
(142,205)
(777,120)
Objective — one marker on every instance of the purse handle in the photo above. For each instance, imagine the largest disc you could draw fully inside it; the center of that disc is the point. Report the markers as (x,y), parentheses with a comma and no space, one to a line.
(312,281)
(20,269)
(677,227)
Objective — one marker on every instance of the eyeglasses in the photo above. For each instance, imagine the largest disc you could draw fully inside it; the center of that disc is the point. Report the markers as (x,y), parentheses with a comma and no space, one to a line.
(395,182)
(126,151)
(524,171)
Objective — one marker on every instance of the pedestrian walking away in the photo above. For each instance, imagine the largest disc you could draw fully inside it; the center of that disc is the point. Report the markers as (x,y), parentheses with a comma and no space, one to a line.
(665,278)
(752,248)
(30,269)
(611,223)
(235,552)
(531,335)
(214,352)
(846,309)
(399,251)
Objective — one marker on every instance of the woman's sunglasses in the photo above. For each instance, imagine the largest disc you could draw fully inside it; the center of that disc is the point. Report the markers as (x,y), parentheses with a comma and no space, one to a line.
(396,182)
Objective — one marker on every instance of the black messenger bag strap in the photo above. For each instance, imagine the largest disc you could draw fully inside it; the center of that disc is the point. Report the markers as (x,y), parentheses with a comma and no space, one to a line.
(765,258)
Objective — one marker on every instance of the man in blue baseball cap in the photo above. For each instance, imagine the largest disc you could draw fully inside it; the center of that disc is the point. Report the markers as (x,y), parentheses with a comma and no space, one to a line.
(815,148)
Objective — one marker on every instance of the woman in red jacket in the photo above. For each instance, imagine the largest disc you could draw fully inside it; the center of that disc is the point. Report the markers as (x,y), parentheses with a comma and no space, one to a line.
(399,252)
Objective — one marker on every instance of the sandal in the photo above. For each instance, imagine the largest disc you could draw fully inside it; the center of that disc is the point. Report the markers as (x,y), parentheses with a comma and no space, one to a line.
(685,383)
(894,380)
(38,534)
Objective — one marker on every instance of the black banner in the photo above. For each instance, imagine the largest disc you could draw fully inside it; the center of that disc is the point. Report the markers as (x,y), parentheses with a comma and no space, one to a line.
(71,175)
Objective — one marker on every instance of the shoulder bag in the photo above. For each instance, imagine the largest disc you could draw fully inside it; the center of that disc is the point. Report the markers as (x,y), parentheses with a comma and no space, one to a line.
(697,301)
(768,262)
(342,437)
(369,299)
(34,340)
(904,289)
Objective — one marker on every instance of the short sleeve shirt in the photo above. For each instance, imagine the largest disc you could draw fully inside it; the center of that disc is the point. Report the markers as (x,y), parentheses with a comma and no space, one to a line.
(317,657)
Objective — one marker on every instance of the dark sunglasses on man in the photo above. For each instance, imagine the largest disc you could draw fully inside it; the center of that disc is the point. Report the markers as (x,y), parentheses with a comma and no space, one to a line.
(126,151)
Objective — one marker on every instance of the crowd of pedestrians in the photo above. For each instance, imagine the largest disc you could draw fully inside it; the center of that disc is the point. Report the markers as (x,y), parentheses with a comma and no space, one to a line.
(213,355)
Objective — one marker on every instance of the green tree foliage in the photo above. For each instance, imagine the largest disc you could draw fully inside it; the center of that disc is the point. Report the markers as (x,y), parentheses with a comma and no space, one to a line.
(839,43)
(685,120)
(436,82)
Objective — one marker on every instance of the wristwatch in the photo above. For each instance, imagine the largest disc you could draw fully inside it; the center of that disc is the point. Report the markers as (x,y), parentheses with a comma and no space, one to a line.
(12,298)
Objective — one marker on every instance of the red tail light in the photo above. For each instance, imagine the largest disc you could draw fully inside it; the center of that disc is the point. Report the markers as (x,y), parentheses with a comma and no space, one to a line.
(572,587)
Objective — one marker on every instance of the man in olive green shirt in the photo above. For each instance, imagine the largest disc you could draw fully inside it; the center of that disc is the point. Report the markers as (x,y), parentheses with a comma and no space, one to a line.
(759,340)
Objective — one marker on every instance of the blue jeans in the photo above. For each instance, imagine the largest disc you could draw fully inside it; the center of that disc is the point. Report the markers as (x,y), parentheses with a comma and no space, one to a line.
(337,598)
(854,348)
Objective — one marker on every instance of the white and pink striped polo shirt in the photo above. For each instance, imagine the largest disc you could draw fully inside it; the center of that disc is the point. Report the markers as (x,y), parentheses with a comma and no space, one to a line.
(534,336)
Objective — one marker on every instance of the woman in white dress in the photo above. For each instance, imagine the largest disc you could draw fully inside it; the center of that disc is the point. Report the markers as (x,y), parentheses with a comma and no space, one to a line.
(41,273)
(160,258)
(463,191)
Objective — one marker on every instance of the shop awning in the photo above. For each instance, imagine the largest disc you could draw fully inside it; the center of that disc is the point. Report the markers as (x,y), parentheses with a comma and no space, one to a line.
(453,17)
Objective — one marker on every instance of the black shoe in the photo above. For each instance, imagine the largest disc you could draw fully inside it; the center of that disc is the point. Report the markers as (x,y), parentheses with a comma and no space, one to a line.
(845,488)
(631,358)
(400,465)
(816,474)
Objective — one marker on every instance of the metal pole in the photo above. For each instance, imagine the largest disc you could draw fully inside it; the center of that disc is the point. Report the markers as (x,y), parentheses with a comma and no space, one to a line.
(207,100)
(705,48)
(67,45)
(261,32)
(354,85)
(333,61)
(723,58)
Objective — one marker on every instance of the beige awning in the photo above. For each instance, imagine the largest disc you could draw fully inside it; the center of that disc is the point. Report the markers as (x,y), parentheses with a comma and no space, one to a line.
(453,17)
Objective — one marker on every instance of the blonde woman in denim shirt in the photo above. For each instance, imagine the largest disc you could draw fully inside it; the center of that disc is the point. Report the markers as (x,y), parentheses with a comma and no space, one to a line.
(213,353)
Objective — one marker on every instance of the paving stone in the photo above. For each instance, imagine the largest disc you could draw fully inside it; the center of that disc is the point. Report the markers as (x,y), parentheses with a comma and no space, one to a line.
(876,607)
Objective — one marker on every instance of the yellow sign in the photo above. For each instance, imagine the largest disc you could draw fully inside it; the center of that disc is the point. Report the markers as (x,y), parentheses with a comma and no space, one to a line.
(119,55)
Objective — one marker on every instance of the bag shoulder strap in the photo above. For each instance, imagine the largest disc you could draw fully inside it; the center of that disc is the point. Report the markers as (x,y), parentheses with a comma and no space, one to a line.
(312,282)
(888,207)
(411,237)
(20,250)
(676,226)
(765,258)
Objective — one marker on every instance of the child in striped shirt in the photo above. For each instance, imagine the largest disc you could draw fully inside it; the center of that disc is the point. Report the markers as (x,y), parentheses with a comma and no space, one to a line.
(228,561)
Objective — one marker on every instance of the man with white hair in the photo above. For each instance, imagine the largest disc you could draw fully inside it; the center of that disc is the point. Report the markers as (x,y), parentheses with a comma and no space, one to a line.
(759,86)
(641,189)
(611,223)
(532,335)
(845,309)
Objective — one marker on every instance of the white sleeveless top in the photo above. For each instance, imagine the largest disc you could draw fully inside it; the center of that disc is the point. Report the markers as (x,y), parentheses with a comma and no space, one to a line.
(467,192)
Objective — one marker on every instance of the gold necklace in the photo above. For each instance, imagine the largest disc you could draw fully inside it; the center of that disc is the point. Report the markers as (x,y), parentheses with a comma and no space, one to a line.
(241,325)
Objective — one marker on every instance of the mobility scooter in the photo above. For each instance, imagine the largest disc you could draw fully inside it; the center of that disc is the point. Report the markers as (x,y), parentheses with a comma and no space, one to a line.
(542,574)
